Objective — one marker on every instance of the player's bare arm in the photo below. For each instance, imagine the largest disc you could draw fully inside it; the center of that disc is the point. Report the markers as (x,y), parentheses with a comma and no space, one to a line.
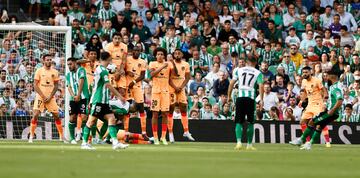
(38,90)
(231,86)
(81,85)
(154,72)
(56,87)
(138,79)
(187,78)
(337,105)
(115,92)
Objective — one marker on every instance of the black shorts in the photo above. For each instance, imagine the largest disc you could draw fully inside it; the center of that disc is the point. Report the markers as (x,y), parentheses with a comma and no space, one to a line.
(323,119)
(79,107)
(99,110)
(244,107)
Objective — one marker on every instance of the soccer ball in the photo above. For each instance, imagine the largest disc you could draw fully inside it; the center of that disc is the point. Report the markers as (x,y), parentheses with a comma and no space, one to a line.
(111,68)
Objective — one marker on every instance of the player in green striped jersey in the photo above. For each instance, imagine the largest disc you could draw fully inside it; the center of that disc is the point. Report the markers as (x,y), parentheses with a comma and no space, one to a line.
(318,123)
(100,103)
(249,79)
(77,84)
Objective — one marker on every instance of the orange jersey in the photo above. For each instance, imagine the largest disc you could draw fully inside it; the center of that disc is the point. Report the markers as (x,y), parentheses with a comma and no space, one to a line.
(136,66)
(182,68)
(47,80)
(161,80)
(117,52)
(313,90)
(90,70)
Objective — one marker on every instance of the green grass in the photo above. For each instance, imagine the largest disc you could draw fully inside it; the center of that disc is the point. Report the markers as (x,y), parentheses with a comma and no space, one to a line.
(209,160)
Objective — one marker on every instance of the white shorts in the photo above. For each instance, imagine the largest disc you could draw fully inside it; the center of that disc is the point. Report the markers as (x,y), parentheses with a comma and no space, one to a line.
(35,1)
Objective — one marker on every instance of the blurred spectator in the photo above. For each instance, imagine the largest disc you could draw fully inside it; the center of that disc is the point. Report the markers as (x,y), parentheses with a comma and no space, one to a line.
(63,19)
(348,115)
(221,85)
(8,100)
(270,98)
(216,113)
(206,113)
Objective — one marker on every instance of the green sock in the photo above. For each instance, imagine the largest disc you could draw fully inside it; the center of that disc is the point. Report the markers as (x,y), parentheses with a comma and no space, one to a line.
(315,137)
(86,134)
(103,129)
(93,131)
(308,131)
(250,133)
(238,132)
(112,132)
(72,126)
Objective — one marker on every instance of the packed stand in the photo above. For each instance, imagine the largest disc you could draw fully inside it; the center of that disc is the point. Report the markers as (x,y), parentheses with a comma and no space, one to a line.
(216,37)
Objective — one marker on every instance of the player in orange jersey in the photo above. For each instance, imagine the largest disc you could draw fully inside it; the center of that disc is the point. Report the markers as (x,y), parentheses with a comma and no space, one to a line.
(160,98)
(315,93)
(135,72)
(118,52)
(179,77)
(133,138)
(46,84)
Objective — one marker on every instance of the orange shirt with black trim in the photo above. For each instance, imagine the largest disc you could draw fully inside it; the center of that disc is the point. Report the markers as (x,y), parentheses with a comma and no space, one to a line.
(313,89)
(182,68)
(47,79)
(136,66)
(117,52)
(161,80)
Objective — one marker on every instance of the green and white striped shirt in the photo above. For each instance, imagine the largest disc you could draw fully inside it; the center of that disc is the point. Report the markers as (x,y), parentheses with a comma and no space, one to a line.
(207,58)
(237,47)
(106,14)
(351,118)
(13,78)
(72,79)
(77,15)
(100,93)
(289,68)
(170,44)
(109,32)
(248,78)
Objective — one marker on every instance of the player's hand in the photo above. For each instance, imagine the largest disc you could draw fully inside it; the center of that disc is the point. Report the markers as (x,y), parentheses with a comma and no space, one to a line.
(76,98)
(178,90)
(330,112)
(165,65)
(130,74)
(122,72)
(131,85)
(47,99)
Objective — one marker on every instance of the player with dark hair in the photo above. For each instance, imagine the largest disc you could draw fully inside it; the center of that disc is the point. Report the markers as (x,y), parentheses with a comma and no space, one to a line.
(100,108)
(249,80)
(46,83)
(179,77)
(160,101)
(77,84)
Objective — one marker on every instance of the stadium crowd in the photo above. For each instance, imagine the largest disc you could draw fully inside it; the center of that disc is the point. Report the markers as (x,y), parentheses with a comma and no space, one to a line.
(216,37)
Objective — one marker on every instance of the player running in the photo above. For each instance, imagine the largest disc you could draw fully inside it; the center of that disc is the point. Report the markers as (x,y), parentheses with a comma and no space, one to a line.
(100,108)
(314,91)
(179,77)
(249,79)
(78,88)
(135,69)
(160,98)
(317,124)
(46,84)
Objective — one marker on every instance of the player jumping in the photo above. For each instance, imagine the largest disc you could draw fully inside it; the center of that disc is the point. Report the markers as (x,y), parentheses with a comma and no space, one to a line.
(179,77)
(248,79)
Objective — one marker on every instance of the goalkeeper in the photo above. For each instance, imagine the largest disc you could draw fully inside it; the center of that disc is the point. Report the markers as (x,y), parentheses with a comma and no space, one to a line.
(317,124)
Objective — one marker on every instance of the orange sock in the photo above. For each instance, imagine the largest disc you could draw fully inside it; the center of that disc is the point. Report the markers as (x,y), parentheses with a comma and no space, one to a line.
(59,127)
(33,125)
(78,123)
(163,131)
(143,122)
(126,122)
(170,123)
(185,122)
(325,132)
(155,131)
(303,127)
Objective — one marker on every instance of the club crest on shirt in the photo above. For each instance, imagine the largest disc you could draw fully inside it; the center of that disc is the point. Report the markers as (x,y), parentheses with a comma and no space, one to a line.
(139,65)
(183,68)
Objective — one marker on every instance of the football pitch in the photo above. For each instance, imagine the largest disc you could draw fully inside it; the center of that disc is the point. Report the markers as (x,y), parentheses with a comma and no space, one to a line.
(182,159)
